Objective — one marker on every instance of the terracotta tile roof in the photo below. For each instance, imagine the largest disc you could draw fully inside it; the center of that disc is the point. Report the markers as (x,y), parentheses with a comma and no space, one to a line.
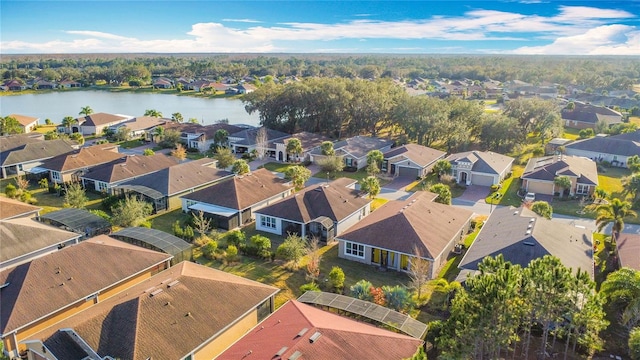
(242,192)
(549,167)
(10,208)
(340,338)
(25,235)
(629,250)
(23,119)
(421,155)
(99,119)
(487,162)
(53,282)
(84,158)
(418,221)
(507,232)
(333,200)
(39,151)
(182,177)
(193,304)
(130,167)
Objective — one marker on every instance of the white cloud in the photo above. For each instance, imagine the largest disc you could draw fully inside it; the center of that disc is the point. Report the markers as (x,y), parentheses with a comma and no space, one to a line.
(603,40)
(574,29)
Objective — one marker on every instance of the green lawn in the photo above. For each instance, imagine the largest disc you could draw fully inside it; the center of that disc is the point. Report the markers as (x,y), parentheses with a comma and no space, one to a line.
(130,144)
(358,175)
(164,221)
(509,190)
(571,134)
(610,181)
(430,180)
(277,167)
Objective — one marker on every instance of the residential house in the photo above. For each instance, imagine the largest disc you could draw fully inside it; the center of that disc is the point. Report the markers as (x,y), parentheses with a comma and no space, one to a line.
(520,236)
(616,149)
(585,116)
(197,136)
(483,168)
(42,84)
(199,85)
(400,229)
(94,124)
(309,142)
(540,173)
(411,160)
(71,166)
(219,87)
(104,177)
(80,221)
(354,150)
(245,140)
(162,83)
(40,293)
(232,203)
(27,123)
(163,188)
(67,84)
(24,239)
(140,126)
(189,311)
(26,158)
(298,330)
(628,250)
(246,88)
(554,145)
(324,211)
(14,85)
(14,209)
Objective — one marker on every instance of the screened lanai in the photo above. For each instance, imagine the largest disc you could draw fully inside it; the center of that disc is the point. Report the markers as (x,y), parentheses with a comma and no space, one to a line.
(77,220)
(156,240)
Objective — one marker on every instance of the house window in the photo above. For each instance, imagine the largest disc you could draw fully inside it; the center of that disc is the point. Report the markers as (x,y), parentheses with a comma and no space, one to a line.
(348,161)
(55,175)
(268,222)
(354,249)
(102,186)
(582,189)
(384,166)
(190,203)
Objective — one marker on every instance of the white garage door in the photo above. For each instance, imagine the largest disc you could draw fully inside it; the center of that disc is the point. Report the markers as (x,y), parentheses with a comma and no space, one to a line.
(483,180)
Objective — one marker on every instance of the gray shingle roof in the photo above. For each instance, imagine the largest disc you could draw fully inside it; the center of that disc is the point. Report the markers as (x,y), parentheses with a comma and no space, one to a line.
(549,167)
(421,155)
(624,144)
(38,151)
(487,162)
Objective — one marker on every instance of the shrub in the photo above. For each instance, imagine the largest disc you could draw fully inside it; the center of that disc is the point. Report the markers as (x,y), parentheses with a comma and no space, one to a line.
(361,290)
(539,151)
(189,234)
(109,202)
(177,229)
(446,179)
(11,191)
(148,152)
(201,240)
(101,213)
(209,250)
(309,287)
(495,187)
(336,277)
(145,224)
(235,237)
(259,246)
(292,249)
(232,253)
(397,297)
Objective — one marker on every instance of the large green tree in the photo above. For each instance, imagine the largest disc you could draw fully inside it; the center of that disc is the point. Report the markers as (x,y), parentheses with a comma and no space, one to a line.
(622,289)
(370,186)
(298,175)
(225,158)
(240,167)
(294,147)
(75,196)
(444,193)
(130,211)
(10,125)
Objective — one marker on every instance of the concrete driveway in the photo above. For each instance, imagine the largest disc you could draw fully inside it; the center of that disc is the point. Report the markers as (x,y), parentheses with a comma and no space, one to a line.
(474,193)
(400,183)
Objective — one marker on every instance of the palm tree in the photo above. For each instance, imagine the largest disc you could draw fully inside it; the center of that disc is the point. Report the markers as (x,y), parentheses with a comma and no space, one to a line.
(614,213)
(86,111)
(158,133)
(69,121)
(623,287)
(153,113)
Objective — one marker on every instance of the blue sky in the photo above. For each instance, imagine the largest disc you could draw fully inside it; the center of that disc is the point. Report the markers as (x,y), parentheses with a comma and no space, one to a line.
(414,27)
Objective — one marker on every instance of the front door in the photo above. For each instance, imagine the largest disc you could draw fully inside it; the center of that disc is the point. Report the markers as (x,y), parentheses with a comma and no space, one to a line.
(383,258)
(393,169)
(463,177)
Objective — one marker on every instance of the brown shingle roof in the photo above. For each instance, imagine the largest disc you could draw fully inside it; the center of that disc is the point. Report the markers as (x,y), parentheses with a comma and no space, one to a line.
(548,167)
(130,167)
(421,155)
(39,151)
(200,303)
(242,192)
(341,338)
(98,119)
(23,236)
(86,157)
(178,178)
(333,200)
(53,282)
(23,119)
(144,123)
(10,208)
(417,222)
(307,139)
(629,250)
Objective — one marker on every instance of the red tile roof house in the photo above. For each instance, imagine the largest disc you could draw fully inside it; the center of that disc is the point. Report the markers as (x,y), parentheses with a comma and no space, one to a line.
(540,173)
(411,160)
(26,158)
(70,167)
(104,177)
(309,141)
(301,331)
(323,210)
(585,116)
(232,203)
(390,236)
(188,311)
(94,124)
(484,168)
(40,293)
(354,150)
(616,149)
(24,239)
(27,123)
(164,188)
(629,250)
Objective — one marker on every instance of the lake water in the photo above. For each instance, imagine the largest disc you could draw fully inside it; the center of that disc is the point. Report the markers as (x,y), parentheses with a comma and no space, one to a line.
(57,105)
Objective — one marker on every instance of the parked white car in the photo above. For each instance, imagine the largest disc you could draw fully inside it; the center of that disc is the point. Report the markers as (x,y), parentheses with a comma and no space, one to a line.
(530,197)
